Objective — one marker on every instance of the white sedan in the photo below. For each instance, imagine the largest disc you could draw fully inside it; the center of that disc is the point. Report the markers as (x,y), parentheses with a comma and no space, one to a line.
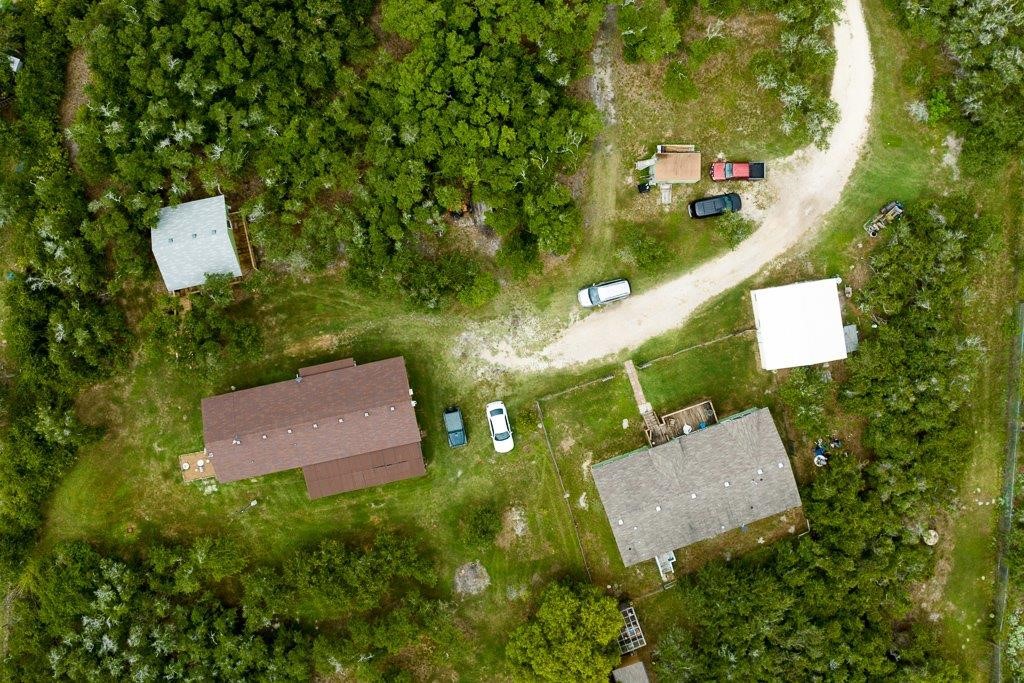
(501,429)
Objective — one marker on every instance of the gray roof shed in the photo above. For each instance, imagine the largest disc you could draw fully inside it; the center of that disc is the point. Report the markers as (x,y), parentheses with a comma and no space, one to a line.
(632,673)
(696,486)
(193,240)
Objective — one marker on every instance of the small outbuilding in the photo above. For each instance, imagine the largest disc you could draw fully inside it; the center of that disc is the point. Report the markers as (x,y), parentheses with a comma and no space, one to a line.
(631,673)
(799,324)
(697,486)
(14,62)
(671,165)
(194,240)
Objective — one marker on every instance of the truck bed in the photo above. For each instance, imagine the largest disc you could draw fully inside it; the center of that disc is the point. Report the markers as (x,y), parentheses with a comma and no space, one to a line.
(756,170)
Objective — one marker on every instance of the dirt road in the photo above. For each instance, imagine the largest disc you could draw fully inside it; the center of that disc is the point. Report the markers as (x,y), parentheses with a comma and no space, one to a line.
(804,187)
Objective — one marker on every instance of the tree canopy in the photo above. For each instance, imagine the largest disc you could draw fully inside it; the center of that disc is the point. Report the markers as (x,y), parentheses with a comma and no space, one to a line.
(835,604)
(572,636)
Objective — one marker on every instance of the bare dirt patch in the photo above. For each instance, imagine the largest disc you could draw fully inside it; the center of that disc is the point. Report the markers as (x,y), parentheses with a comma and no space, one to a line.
(513,526)
(78,75)
(929,594)
(323,342)
(471,579)
(476,234)
(601,87)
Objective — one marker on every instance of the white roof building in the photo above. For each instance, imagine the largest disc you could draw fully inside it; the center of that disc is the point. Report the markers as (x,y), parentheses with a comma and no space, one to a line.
(799,324)
(14,62)
(193,240)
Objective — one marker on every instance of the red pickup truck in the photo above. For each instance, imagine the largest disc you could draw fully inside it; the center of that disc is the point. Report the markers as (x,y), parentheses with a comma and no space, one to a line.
(736,170)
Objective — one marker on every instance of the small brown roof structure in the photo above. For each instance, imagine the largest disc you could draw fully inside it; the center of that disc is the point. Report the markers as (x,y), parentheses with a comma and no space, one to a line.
(347,426)
(697,486)
(676,164)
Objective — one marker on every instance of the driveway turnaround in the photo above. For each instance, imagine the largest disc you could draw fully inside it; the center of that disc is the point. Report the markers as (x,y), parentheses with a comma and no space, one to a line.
(803,188)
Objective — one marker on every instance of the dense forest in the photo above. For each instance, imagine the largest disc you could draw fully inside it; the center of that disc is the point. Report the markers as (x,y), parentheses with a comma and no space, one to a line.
(836,604)
(982,91)
(165,614)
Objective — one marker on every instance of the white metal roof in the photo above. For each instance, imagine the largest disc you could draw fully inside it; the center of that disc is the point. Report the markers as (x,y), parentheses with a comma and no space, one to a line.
(193,240)
(14,62)
(799,324)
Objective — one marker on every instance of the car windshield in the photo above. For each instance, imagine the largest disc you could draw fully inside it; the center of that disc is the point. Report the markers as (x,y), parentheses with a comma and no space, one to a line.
(502,436)
(595,298)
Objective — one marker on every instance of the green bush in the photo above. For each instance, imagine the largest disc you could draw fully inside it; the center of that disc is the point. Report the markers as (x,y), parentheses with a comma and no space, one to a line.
(483,288)
(517,255)
(483,522)
(679,85)
(570,638)
(734,228)
(699,50)
(642,247)
(648,30)
(806,392)
(939,106)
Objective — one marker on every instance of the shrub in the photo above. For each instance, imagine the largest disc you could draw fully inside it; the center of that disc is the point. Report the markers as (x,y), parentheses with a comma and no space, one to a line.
(484,288)
(806,392)
(518,255)
(734,228)
(483,522)
(939,106)
(679,85)
(642,247)
(648,30)
(699,50)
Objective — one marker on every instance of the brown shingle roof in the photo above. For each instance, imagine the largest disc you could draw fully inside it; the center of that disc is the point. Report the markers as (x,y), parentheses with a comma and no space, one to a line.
(360,471)
(337,411)
(677,167)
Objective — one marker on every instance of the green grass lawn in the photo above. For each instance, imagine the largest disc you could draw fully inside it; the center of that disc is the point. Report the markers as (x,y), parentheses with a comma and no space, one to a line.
(600,420)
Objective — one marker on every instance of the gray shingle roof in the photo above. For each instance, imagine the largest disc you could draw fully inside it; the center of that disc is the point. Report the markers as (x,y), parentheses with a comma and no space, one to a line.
(634,673)
(193,240)
(667,497)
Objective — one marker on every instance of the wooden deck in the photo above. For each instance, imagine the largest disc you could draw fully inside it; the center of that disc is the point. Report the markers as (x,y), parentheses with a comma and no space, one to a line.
(194,472)
(662,429)
(246,255)
(675,423)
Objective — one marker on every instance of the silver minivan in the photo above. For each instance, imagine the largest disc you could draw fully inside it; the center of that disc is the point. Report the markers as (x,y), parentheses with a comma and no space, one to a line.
(604,293)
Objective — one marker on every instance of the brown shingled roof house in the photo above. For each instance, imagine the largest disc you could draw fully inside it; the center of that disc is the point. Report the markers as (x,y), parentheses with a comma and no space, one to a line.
(347,426)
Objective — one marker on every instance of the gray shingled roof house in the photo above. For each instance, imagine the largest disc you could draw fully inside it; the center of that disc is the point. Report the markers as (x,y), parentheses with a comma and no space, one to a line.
(696,486)
(193,240)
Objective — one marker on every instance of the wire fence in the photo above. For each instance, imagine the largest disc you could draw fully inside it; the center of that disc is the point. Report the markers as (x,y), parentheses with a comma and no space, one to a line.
(565,493)
(1009,475)
(576,387)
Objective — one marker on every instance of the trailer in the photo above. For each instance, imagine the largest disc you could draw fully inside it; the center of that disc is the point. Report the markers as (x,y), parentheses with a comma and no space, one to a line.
(886,215)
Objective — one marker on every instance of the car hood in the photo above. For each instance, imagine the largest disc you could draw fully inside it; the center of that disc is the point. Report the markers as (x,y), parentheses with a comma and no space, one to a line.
(584,297)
